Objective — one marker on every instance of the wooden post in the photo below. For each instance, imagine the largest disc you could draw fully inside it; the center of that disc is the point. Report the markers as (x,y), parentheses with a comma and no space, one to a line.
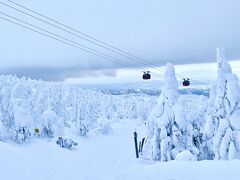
(136,144)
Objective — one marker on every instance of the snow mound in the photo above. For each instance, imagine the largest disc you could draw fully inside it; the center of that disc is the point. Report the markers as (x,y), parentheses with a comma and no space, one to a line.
(185,156)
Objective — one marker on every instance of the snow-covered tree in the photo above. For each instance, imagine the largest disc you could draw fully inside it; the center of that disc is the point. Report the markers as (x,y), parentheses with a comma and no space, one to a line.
(161,120)
(175,125)
(222,129)
(190,113)
(22,112)
(52,125)
(21,106)
(7,107)
(31,106)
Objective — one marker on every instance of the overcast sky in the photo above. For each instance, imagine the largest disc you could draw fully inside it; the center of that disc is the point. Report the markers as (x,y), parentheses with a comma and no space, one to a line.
(181,32)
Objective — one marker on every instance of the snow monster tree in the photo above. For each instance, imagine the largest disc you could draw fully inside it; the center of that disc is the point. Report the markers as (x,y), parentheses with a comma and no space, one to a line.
(169,131)
(161,120)
(222,129)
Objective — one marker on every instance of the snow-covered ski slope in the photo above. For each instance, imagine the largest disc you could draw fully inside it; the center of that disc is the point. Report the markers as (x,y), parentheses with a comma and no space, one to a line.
(103,157)
(188,136)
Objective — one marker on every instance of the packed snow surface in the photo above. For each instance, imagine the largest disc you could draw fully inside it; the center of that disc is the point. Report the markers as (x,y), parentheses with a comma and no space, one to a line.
(103,157)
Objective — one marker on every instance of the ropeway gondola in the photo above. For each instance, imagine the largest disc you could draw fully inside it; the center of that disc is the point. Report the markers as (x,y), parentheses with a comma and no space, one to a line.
(146,75)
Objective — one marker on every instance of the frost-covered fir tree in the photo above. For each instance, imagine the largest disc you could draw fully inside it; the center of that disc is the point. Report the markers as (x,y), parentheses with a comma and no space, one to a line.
(160,122)
(22,112)
(172,131)
(21,105)
(51,126)
(7,107)
(222,129)
(190,113)
(46,109)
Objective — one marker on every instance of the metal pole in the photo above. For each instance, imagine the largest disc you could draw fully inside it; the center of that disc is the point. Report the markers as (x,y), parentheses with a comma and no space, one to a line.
(136,144)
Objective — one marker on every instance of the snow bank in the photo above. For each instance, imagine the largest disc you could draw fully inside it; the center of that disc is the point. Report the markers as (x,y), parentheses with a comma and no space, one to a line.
(185,156)
(101,158)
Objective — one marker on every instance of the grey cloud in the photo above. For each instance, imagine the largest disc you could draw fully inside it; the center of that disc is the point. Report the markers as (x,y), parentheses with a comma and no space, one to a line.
(160,31)
(56,73)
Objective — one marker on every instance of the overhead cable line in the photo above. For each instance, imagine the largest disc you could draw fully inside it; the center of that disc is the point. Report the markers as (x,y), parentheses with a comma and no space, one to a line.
(71,44)
(130,56)
(49,24)
(98,42)
(92,39)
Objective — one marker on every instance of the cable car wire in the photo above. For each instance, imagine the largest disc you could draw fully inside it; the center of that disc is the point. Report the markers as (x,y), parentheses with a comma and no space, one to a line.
(91,51)
(130,56)
(70,44)
(155,74)
(139,59)
(102,44)
(53,25)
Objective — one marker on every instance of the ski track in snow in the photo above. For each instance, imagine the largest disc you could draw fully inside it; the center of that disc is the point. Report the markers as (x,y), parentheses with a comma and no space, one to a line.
(102,157)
